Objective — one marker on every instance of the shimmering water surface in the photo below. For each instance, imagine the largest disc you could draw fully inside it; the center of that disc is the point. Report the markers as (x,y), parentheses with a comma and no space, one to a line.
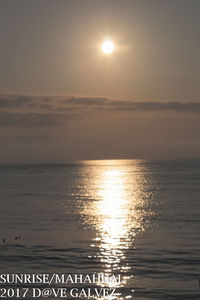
(137,218)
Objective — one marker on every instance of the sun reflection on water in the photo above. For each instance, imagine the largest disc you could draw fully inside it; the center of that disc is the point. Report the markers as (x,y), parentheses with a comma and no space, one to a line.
(113,228)
(116,213)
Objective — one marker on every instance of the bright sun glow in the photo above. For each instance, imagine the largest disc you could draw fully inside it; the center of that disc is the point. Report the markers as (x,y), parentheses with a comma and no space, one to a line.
(107,47)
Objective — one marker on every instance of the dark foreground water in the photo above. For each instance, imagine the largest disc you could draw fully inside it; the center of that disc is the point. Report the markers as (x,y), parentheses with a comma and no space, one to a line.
(137,218)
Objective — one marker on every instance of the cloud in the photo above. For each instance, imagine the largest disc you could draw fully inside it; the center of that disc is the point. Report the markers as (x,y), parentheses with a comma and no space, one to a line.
(157,106)
(34,119)
(9,101)
(57,110)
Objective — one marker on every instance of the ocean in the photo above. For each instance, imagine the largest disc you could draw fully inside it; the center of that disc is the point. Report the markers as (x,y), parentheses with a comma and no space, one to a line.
(136,218)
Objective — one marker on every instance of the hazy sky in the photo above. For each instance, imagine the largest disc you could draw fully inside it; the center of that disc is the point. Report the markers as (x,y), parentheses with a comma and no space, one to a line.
(62,99)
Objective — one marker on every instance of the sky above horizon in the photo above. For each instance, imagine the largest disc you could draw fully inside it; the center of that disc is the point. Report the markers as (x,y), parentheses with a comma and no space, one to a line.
(62,99)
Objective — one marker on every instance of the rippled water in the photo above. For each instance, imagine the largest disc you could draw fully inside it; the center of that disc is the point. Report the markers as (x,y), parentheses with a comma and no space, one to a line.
(136,218)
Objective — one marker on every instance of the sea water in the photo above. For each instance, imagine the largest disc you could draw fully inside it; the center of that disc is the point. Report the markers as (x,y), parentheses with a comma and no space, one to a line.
(136,218)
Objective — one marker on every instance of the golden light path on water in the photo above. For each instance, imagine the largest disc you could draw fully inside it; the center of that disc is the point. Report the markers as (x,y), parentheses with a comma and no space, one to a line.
(113,229)
(117,214)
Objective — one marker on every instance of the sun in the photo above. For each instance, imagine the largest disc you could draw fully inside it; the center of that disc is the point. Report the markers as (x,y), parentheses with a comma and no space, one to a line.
(107,47)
